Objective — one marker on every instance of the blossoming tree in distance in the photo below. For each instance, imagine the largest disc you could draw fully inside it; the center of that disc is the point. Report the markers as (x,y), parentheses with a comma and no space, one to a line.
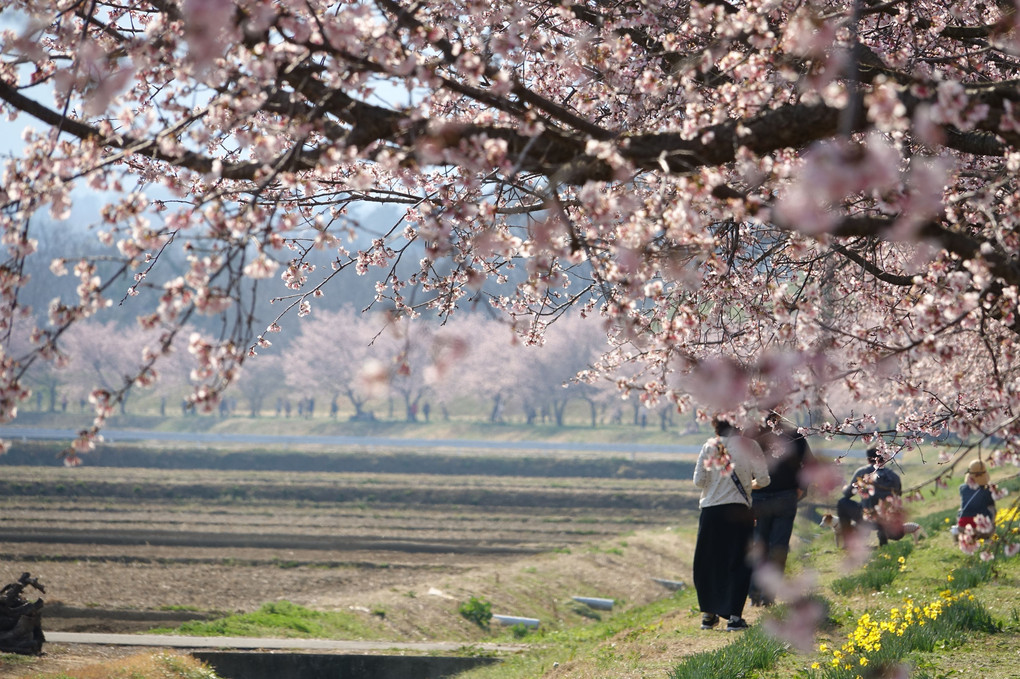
(770,204)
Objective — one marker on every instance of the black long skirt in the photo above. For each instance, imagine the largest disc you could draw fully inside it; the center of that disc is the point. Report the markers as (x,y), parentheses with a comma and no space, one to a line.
(722,572)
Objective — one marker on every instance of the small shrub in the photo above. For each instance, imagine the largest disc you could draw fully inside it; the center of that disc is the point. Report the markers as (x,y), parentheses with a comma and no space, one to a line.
(477,611)
(585,612)
(520,630)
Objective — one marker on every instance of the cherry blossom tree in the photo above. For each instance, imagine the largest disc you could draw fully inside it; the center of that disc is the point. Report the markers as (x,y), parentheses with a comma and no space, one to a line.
(767,203)
(103,359)
(585,341)
(260,380)
(490,369)
(555,356)
(418,359)
(329,355)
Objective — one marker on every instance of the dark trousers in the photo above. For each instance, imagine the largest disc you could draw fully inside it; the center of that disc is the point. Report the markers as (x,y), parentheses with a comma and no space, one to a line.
(851,516)
(722,572)
(774,515)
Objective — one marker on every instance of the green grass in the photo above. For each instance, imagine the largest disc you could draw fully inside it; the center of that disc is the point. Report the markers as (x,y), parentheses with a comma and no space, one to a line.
(750,651)
(878,573)
(593,641)
(280,619)
(13,659)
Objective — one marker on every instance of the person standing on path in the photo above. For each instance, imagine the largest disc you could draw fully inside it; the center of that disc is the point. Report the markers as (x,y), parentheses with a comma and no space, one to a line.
(775,508)
(729,467)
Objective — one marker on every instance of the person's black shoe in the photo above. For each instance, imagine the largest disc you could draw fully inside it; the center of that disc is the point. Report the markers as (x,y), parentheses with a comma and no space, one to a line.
(709,620)
(736,625)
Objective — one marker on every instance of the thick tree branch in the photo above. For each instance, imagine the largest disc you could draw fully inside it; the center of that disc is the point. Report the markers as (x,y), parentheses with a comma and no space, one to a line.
(953,239)
(873,269)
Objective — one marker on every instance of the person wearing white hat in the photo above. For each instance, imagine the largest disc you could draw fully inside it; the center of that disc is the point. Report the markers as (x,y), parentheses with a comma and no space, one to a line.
(976,501)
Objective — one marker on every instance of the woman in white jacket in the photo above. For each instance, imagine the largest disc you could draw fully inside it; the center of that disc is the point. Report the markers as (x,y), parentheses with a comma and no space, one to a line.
(728,468)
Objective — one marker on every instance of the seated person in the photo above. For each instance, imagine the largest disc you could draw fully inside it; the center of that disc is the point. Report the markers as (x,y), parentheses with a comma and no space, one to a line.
(878,486)
(977,506)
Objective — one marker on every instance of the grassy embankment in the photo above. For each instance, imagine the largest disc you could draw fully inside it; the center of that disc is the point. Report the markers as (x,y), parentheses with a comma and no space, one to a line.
(962,620)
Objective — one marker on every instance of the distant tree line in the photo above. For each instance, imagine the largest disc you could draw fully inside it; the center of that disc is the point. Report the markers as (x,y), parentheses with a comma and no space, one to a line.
(351,365)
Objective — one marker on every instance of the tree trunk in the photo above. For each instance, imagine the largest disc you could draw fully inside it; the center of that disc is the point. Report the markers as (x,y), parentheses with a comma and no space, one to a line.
(497,409)
(530,414)
(559,409)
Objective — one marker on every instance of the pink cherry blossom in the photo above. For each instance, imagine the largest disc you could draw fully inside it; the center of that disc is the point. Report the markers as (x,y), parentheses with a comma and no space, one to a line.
(750,232)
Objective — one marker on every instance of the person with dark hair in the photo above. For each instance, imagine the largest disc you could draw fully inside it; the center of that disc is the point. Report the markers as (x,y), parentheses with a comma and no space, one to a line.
(775,507)
(875,483)
(729,467)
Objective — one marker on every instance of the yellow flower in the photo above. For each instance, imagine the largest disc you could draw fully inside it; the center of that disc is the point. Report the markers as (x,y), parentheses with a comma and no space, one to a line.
(949,577)
(864,661)
(815,666)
